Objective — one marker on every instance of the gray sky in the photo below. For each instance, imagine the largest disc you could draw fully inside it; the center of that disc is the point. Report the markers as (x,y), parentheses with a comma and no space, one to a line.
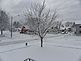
(69,10)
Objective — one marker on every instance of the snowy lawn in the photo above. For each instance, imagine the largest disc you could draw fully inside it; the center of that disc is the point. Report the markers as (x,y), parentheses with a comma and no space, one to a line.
(20,52)
(16,37)
(67,40)
(57,47)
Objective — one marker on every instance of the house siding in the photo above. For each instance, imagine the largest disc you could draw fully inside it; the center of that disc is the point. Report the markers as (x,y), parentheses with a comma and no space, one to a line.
(78,29)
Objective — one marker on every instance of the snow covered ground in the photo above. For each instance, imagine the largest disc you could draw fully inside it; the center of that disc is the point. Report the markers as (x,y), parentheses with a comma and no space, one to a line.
(20,52)
(16,36)
(57,47)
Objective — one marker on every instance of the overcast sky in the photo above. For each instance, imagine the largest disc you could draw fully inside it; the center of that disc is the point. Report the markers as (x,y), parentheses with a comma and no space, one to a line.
(69,10)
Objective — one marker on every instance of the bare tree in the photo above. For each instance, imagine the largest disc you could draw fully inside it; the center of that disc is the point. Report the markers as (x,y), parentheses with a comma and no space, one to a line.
(16,24)
(4,21)
(39,19)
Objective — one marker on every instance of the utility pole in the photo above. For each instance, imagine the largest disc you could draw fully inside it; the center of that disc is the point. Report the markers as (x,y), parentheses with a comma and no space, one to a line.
(11,25)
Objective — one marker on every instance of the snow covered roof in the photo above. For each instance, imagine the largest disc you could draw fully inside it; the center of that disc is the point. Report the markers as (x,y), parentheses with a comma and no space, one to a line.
(26,26)
(77,22)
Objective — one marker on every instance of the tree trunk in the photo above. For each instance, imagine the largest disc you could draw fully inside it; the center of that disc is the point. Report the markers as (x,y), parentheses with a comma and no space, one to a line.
(41,41)
(1,32)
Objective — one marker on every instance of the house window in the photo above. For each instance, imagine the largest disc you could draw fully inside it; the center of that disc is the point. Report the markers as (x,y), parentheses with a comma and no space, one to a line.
(79,26)
(80,32)
(52,28)
(62,30)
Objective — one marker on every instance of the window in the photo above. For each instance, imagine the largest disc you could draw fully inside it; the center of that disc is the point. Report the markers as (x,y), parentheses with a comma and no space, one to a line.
(79,26)
(80,32)
(52,28)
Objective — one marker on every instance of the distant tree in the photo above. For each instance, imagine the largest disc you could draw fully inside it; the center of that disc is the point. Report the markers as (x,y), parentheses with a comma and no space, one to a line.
(58,24)
(68,24)
(39,19)
(56,27)
(4,21)
(16,24)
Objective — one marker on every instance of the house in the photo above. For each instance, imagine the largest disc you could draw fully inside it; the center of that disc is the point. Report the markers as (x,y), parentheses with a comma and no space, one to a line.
(23,30)
(26,30)
(66,27)
(77,29)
